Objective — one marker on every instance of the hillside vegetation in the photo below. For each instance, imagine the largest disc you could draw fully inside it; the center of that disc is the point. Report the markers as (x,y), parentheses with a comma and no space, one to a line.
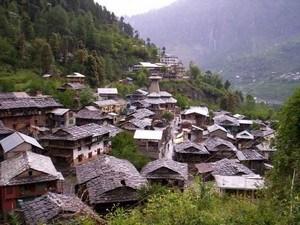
(63,36)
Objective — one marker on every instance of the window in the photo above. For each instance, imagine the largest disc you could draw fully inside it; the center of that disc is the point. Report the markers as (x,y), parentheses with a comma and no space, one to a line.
(80,157)
(30,173)
(98,151)
(90,155)
(79,148)
(9,190)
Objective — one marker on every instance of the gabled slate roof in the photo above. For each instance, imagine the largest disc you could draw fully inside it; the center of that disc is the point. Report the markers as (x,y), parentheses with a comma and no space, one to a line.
(142,113)
(113,91)
(244,135)
(108,173)
(224,167)
(212,144)
(16,139)
(181,169)
(37,103)
(190,148)
(226,120)
(141,124)
(197,110)
(53,206)
(25,161)
(248,155)
(215,127)
(91,114)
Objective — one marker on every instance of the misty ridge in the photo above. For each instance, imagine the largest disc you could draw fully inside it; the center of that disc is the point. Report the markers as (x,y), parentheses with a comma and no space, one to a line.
(250,38)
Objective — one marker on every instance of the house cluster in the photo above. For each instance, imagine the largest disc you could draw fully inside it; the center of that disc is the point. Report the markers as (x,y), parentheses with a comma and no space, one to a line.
(41,141)
(169,67)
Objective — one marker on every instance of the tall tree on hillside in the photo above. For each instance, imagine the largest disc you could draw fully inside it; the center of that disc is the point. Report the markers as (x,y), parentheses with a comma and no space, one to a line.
(46,58)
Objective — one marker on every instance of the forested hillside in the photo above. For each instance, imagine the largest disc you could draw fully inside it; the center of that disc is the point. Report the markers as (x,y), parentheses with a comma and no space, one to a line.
(63,36)
(231,36)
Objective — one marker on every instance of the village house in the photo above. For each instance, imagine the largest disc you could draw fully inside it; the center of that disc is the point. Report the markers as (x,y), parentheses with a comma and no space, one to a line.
(244,140)
(26,176)
(218,131)
(52,207)
(153,68)
(21,114)
(224,167)
(263,142)
(61,117)
(196,115)
(166,172)
(90,114)
(219,149)
(17,143)
(107,93)
(136,124)
(76,78)
(5,131)
(140,114)
(77,87)
(108,106)
(190,152)
(245,185)
(228,122)
(137,95)
(71,146)
(149,142)
(253,160)
(108,180)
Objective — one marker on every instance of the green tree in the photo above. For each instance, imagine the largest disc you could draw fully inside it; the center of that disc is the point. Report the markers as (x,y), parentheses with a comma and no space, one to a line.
(86,96)
(167,116)
(286,173)
(124,147)
(46,58)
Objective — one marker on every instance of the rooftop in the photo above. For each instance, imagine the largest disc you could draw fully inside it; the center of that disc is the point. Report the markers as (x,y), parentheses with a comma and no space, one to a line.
(252,182)
(13,167)
(148,134)
(50,206)
(217,144)
(191,148)
(197,110)
(247,155)
(112,91)
(16,139)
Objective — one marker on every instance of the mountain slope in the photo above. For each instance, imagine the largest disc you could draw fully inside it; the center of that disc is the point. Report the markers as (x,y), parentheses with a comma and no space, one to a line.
(219,34)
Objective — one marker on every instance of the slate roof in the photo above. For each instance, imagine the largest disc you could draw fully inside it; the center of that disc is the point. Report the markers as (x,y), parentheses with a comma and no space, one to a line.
(74,133)
(181,169)
(212,144)
(215,127)
(17,138)
(73,85)
(142,102)
(197,110)
(165,94)
(190,148)
(154,101)
(28,103)
(169,100)
(141,124)
(262,133)
(113,130)
(142,113)
(4,129)
(91,114)
(248,155)
(224,167)
(244,135)
(14,166)
(108,173)
(226,120)
(52,206)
